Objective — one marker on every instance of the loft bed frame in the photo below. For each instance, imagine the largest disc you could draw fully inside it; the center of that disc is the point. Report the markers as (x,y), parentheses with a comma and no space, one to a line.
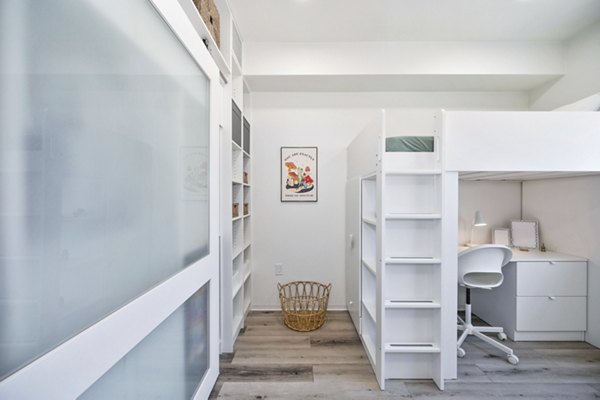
(450,145)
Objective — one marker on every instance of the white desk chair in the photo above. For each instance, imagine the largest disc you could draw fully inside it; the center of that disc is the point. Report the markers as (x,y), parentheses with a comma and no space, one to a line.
(481,267)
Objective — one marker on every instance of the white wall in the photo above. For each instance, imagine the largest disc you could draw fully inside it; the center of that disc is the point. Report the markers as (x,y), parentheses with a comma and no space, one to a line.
(568,211)
(308,238)
(498,202)
(582,73)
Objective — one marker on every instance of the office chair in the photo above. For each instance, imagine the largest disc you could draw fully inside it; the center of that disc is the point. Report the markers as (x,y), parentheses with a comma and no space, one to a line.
(481,268)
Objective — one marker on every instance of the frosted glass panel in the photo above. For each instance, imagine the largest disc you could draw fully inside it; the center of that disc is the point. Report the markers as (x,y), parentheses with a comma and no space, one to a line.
(104,121)
(168,364)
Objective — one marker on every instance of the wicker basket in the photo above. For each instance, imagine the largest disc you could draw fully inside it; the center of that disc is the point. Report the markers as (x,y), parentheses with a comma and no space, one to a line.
(304,304)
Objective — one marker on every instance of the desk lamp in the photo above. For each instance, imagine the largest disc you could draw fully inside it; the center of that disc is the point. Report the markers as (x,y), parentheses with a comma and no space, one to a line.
(477,221)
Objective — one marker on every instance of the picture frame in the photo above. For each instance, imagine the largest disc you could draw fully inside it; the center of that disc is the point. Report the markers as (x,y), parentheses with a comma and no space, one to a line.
(501,236)
(299,174)
(524,234)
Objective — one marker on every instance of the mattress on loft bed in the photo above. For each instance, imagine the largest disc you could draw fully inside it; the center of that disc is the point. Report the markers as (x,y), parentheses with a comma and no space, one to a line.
(409,144)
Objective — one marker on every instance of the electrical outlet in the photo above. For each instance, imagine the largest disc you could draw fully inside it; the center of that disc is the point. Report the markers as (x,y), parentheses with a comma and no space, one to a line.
(278,269)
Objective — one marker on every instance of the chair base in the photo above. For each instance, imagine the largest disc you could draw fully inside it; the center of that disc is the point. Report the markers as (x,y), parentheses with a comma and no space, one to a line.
(468,329)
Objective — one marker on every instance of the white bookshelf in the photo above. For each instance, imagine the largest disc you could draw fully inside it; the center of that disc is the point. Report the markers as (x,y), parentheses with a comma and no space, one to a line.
(236,232)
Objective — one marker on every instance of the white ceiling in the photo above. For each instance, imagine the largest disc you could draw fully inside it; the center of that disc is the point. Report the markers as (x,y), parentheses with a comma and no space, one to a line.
(412,20)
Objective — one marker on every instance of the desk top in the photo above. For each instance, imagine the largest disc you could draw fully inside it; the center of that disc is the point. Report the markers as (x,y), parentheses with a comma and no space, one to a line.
(536,255)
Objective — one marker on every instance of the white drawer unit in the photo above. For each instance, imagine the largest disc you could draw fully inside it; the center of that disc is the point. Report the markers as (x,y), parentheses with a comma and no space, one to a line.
(551,313)
(541,299)
(552,278)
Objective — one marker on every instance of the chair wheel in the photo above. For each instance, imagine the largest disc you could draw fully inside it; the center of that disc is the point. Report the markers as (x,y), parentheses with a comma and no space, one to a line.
(460,352)
(502,336)
(512,359)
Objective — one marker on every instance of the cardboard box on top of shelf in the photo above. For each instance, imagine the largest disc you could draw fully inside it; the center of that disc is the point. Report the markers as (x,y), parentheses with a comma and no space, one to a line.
(203,7)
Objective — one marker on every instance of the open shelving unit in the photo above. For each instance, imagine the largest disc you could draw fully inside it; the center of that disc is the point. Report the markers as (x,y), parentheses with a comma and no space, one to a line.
(368,270)
(236,277)
(235,171)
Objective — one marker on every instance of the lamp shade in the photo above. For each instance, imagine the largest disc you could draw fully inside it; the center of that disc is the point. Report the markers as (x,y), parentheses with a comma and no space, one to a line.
(478,219)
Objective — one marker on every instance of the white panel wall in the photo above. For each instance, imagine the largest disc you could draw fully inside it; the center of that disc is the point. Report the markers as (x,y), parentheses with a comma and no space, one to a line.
(568,211)
(580,80)
(308,239)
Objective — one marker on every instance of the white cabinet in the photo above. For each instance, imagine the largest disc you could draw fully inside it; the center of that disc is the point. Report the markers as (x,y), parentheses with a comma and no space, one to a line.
(545,299)
(552,278)
(550,313)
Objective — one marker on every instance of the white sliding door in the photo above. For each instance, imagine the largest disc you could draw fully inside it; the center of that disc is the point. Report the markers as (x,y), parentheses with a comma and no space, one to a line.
(109,265)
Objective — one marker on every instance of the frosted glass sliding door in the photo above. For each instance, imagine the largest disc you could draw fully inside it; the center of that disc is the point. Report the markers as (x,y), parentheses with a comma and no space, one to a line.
(168,364)
(104,165)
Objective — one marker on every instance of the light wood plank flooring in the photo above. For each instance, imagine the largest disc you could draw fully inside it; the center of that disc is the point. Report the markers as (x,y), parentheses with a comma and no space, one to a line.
(273,362)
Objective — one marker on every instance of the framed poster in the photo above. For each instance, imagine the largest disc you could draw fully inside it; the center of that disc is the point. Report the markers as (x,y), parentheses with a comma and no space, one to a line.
(299,174)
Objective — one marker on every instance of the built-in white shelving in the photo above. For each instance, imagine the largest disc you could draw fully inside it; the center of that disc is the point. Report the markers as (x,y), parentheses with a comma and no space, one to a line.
(236,257)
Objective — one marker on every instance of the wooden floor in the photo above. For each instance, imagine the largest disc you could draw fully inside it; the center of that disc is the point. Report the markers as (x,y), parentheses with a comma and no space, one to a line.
(274,362)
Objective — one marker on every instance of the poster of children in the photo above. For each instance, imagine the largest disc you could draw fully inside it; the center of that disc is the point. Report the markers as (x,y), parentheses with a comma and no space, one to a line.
(299,174)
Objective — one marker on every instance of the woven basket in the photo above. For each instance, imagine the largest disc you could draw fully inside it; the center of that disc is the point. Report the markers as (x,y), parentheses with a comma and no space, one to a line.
(304,304)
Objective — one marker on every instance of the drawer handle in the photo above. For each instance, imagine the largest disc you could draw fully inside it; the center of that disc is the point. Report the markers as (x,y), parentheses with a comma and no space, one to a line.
(552,262)
(552,297)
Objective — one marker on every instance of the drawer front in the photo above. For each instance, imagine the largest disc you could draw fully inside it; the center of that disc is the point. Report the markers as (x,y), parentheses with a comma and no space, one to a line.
(552,278)
(546,314)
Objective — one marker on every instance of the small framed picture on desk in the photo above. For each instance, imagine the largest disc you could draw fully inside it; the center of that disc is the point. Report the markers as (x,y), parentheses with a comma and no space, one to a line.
(524,234)
(501,236)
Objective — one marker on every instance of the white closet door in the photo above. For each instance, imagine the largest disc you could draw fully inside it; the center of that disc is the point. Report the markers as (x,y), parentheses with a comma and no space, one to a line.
(108,202)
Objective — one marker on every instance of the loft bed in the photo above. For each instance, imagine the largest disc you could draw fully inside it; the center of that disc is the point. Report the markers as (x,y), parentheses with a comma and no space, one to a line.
(527,143)
(492,144)
(427,151)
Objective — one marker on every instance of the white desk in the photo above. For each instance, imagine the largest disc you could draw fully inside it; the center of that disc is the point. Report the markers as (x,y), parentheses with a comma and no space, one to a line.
(543,297)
